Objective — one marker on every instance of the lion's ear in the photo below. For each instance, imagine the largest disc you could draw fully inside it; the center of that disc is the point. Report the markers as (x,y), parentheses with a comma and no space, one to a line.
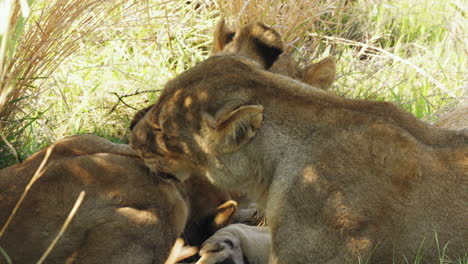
(224,215)
(223,35)
(139,115)
(321,74)
(258,42)
(232,126)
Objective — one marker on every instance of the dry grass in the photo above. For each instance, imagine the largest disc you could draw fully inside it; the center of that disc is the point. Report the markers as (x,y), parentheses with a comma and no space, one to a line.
(37,50)
(454,119)
(33,50)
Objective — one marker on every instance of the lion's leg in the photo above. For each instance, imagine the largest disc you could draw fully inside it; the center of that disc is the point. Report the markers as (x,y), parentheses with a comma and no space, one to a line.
(307,244)
(123,243)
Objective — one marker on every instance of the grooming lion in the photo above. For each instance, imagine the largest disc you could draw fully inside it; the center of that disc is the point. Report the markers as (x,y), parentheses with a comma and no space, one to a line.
(341,180)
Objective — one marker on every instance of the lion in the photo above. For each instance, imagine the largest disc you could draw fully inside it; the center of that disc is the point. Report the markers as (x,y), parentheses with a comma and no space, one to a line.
(238,244)
(341,180)
(229,41)
(129,214)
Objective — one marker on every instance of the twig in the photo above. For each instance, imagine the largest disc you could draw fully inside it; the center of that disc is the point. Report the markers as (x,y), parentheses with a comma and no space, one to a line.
(123,102)
(128,95)
(140,92)
(70,216)
(12,148)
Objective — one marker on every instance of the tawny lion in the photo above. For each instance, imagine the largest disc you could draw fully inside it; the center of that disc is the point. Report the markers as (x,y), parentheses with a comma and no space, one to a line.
(341,180)
(226,41)
(128,215)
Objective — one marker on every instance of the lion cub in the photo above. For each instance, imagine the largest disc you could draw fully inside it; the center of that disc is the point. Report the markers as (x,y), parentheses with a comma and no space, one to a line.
(129,214)
(341,180)
(241,42)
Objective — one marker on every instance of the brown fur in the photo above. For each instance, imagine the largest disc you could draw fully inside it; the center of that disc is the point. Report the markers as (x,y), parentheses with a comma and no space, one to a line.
(247,42)
(341,180)
(129,215)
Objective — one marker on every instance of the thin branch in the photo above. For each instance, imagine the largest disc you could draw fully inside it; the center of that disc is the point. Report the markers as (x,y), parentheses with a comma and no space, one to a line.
(123,102)
(141,92)
(129,95)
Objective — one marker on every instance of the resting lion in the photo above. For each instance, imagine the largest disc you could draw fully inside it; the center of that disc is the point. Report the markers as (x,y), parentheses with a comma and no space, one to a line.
(341,180)
(229,41)
(129,215)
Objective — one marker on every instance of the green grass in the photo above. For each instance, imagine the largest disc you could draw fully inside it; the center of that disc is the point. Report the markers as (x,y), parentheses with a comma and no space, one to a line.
(416,57)
(4,255)
(423,69)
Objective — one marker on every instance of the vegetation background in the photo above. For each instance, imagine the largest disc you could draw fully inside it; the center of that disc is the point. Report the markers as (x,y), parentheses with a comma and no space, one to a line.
(85,66)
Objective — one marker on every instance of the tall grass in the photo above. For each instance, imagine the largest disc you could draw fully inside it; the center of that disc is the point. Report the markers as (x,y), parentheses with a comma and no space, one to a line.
(31,51)
(413,53)
(416,56)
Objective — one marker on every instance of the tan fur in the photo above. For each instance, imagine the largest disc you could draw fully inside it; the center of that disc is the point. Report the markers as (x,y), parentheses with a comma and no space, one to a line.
(245,42)
(237,244)
(341,180)
(455,119)
(129,215)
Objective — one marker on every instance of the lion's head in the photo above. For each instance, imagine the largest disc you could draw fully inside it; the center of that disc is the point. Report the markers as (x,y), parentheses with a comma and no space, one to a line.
(264,44)
(170,145)
(355,175)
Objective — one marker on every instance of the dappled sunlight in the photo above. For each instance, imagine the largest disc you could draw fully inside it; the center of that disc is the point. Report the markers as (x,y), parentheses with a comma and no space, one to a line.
(188,102)
(359,245)
(202,97)
(82,174)
(137,216)
(310,175)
